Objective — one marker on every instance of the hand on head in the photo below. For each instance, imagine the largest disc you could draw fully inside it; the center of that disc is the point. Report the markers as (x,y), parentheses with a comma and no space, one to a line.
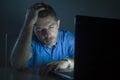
(32,13)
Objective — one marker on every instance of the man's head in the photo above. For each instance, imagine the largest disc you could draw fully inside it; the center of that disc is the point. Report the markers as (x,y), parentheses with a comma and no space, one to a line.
(47,25)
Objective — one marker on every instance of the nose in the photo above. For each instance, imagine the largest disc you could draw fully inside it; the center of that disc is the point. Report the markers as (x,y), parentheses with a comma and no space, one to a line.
(46,33)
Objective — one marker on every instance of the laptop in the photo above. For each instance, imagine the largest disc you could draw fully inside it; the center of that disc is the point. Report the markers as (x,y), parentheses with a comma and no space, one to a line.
(66,75)
(97,48)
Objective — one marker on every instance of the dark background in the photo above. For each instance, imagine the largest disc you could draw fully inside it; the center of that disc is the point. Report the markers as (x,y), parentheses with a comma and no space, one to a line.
(12,14)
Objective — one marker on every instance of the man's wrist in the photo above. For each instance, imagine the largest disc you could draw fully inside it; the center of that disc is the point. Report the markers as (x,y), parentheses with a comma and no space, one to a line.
(69,62)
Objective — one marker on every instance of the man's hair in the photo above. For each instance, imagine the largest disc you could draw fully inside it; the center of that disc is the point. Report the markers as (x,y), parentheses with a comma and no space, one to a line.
(48,11)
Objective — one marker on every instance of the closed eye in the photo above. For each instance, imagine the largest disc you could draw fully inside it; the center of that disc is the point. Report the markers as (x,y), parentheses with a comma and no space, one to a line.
(52,26)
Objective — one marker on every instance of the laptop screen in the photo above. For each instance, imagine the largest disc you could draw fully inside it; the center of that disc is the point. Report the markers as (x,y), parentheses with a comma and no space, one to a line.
(97,47)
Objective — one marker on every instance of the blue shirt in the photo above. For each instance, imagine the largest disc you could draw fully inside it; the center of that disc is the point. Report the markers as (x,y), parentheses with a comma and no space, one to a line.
(42,54)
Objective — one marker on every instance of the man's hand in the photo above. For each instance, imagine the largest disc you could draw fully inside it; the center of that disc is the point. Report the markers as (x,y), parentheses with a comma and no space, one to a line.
(32,14)
(60,66)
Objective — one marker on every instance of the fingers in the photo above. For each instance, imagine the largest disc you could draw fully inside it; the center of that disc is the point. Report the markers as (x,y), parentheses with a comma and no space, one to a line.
(60,69)
(47,68)
(32,13)
(50,68)
(38,6)
(36,9)
(59,66)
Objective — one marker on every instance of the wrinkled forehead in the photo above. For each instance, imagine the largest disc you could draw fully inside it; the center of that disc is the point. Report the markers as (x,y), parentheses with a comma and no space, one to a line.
(43,22)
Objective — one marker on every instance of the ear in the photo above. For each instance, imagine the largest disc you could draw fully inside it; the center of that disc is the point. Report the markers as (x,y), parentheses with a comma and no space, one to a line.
(58,23)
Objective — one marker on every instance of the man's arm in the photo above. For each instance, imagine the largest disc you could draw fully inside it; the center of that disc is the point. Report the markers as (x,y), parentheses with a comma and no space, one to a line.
(61,66)
(21,51)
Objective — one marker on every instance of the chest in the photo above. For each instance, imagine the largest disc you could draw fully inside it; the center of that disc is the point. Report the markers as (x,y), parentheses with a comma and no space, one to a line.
(44,54)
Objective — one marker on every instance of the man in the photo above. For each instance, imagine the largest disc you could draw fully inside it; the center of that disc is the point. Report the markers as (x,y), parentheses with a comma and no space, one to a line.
(42,43)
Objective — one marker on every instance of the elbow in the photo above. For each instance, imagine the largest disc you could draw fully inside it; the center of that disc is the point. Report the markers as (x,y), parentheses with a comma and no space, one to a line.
(18,60)
(15,64)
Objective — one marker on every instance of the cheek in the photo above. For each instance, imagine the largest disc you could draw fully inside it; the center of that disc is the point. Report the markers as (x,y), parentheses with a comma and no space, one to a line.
(55,33)
(39,36)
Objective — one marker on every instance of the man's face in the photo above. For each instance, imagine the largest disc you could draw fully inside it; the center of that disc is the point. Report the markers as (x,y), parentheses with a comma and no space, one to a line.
(46,30)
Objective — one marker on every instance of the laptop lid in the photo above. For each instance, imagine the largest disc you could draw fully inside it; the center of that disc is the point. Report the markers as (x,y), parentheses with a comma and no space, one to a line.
(96,48)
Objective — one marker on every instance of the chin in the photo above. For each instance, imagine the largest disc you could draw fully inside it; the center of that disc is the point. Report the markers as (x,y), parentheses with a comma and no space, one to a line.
(50,43)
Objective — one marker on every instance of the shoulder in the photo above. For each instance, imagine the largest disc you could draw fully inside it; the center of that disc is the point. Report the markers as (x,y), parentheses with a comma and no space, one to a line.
(66,34)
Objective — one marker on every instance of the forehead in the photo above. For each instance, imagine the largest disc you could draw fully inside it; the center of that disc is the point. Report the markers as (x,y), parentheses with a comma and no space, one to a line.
(42,22)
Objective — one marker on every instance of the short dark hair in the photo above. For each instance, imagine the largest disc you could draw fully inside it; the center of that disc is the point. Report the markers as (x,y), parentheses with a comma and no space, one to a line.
(48,11)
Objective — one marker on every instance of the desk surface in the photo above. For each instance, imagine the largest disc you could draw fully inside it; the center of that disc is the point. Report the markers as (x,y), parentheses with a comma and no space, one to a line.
(10,74)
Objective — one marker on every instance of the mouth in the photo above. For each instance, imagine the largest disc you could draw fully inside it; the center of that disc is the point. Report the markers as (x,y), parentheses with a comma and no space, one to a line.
(49,40)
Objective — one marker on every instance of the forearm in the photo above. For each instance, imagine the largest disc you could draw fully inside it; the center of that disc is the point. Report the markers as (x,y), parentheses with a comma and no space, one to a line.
(21,51)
